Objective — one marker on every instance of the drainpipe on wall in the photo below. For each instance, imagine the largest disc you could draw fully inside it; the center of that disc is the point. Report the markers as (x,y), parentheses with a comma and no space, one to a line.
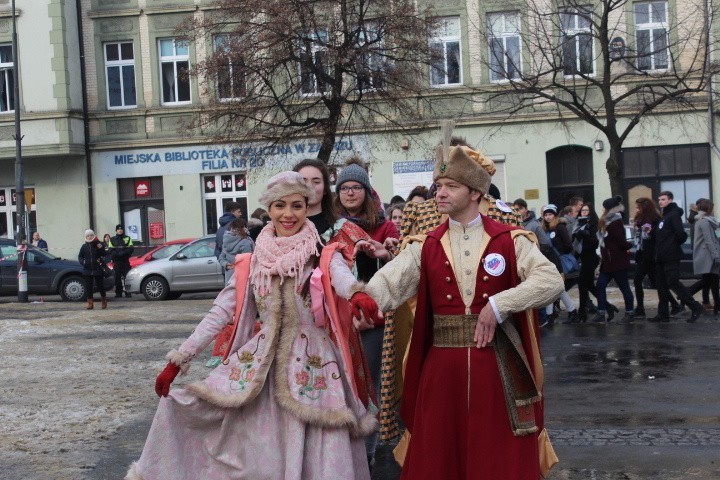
(707,5)
(86,121)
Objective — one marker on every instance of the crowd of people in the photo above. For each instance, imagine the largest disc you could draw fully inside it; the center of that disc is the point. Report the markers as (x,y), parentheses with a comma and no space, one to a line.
(572,242)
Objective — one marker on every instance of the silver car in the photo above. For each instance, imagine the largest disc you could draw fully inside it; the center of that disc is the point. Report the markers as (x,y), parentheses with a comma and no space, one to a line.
(193,268)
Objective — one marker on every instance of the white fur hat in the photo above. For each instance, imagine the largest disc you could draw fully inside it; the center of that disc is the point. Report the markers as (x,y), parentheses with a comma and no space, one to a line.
(284,184)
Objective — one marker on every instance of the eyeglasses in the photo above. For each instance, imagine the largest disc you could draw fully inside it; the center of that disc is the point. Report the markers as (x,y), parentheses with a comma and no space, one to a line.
(354,188)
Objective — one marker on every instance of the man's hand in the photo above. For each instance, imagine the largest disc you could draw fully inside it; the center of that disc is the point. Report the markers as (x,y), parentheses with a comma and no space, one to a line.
(363,306)
(485,328)
(391,244)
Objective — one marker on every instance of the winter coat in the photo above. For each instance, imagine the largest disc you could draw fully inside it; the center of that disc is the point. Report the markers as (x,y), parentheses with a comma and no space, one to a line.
(121,247)
(91,257)
(706,249)
(226,218)
(560,238)
(614,246)
(585,241)
(531,224)
(670,235)
(41,244)
(233,244)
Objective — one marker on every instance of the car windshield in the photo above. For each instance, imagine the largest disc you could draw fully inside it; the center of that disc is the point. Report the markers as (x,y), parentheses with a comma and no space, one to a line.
(200,248)
(9,252)
(167,250)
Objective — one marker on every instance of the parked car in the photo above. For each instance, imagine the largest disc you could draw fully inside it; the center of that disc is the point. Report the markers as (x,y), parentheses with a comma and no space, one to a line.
(193,268)
(47,274)
(160,252)
(686,262)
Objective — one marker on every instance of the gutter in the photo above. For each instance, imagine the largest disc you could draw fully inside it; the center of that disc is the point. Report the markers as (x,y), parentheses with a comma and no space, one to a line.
(85,116)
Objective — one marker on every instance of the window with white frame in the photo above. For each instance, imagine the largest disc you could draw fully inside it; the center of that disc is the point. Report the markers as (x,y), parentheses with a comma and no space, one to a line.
(651,33)
(313,63)
(120,74)
(446,68)
(7,82)
(174,67)
(577,41)
(504,43)
(371,64)
(230,77)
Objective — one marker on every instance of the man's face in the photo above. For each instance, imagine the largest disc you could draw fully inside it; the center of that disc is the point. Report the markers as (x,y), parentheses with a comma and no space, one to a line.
(521,210)
(663,201)
(237,213)
(453,197)
(120,231)
(576,208)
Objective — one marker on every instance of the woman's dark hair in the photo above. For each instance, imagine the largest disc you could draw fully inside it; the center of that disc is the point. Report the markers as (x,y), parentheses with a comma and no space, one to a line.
(368,216)
(592,216)
(647,211)
(705,205)
(239,226)
(328,208)
(418,191)
(259,213)
(393,206)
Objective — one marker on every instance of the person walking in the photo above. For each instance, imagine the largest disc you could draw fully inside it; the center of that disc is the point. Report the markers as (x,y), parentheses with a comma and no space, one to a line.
(557,231)
(614,260)
(669,238)
(706,249)
(285,403)
(121,248)
(233,210)
(585,243)
(39,242)
(92,259)
(235,241)
(470,274)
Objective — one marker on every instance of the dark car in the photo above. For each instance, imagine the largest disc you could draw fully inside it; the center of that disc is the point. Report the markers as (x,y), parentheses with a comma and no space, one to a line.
(47,274)
(686,262)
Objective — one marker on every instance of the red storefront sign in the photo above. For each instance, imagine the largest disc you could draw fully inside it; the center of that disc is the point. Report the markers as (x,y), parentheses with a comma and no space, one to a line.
(142,188)
(157,230)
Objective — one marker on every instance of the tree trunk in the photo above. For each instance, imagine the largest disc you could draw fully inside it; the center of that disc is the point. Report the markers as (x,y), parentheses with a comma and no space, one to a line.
(614,167)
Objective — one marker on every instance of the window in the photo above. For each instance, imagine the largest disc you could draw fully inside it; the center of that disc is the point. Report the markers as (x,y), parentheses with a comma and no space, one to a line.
(230,78)
(577,41)
(445,45)
(370,65)
(313,64)
(174,67)
(7,85)
(504,45)
(120,74)
(651,33)
(218,190)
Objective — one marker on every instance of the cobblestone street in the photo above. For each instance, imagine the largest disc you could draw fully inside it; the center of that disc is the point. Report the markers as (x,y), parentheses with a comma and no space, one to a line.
(623,402)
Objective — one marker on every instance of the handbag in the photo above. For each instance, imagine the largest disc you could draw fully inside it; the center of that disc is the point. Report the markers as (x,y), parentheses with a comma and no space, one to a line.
(107,271)
(569,263)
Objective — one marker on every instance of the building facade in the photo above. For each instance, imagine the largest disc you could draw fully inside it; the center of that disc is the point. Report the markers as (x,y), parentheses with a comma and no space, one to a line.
(149,172)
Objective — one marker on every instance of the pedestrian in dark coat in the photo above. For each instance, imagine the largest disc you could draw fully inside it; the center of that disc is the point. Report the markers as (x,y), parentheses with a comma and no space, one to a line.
(121,248)
(585,242)
(91,257)
(614,258)
(668,253)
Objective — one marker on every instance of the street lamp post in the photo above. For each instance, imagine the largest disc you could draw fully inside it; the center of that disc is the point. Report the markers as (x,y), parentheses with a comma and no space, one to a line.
(19,180)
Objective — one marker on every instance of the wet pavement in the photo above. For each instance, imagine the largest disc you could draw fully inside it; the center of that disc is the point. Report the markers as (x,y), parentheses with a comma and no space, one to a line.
(637,401)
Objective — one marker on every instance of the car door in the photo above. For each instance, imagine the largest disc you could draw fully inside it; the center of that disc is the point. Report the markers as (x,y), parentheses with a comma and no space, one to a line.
(40,271)
(8,269)
(196,268)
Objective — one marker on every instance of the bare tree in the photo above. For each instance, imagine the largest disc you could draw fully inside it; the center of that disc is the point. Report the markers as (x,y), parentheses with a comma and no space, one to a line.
(277,69)
(609,63)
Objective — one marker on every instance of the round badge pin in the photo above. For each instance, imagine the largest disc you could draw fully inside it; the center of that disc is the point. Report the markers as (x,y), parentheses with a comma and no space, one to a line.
(494,264)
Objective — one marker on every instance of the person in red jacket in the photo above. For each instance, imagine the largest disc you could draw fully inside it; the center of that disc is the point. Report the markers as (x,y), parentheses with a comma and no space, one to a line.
(614,258)
(355,201)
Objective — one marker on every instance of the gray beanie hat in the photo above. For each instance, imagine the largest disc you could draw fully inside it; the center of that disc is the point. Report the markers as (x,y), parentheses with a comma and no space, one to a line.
(353,173)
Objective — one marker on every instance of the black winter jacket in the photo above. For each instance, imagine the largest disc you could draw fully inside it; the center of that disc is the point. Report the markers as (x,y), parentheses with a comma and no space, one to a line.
(91,257)
(670,235)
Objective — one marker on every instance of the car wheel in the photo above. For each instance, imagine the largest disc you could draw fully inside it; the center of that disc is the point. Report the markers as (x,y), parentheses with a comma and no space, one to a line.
(174,295)
(72,289)
(155,288)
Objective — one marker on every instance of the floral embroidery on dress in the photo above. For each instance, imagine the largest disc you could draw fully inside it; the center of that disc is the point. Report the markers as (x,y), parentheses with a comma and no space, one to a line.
(241,376)
(310,379)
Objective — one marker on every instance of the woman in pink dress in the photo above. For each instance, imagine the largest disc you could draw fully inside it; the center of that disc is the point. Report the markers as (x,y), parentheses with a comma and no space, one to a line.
(283,405)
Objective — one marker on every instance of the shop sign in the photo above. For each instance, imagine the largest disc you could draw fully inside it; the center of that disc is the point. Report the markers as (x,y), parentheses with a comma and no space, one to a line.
(142,188)
(157,230)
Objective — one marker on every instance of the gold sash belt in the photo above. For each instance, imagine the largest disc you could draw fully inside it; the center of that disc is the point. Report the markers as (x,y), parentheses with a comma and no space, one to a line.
(454,330)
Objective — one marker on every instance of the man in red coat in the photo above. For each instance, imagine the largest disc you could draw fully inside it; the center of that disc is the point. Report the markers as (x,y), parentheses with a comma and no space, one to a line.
(473,382)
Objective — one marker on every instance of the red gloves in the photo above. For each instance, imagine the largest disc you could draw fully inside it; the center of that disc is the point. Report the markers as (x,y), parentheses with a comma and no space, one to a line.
(166,377)
(363,304)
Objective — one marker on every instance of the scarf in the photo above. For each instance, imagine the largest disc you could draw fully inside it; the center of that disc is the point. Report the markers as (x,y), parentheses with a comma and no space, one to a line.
(282,256)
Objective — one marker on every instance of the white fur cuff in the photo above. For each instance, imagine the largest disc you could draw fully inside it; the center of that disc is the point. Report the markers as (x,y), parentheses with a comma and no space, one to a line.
(180,359)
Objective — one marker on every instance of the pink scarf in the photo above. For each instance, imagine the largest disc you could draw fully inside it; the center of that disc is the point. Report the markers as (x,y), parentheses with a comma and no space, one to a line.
(282,256)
